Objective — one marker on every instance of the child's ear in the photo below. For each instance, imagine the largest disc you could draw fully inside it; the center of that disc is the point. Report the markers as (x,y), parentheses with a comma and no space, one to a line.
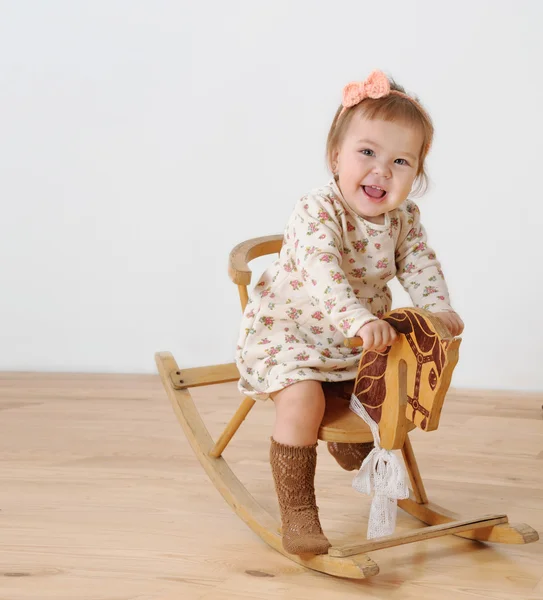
(334,160)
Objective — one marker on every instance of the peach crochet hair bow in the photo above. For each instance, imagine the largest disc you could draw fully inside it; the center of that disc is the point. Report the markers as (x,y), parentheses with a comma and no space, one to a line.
(376,85)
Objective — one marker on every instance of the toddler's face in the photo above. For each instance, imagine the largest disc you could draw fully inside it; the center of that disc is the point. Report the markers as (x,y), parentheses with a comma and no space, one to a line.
(377,164)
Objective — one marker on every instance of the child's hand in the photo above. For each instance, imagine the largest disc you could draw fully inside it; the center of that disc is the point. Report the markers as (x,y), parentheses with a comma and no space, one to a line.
(377,335)
(452,322)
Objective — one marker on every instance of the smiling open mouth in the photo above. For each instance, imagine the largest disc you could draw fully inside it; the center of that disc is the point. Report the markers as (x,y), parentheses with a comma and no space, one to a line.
(374,192)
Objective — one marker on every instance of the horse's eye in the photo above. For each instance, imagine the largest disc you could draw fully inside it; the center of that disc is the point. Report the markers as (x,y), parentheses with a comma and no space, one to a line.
(432,379)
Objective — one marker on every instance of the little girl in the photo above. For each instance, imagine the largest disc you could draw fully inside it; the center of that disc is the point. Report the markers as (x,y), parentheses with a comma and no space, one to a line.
(342,244)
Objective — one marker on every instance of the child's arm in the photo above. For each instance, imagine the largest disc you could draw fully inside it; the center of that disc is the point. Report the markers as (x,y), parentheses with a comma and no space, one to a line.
(418,268)
(318,256)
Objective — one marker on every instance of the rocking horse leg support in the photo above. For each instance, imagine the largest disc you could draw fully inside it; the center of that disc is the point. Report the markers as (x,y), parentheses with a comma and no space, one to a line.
(499,533)
(444,521)
(232,427)
(413,472)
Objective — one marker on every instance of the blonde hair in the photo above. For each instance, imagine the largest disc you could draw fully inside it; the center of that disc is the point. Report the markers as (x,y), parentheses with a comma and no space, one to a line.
(392,107)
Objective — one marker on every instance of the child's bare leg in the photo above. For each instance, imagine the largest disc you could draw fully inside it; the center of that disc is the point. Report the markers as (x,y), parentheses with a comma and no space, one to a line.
(293,457)
(299,409)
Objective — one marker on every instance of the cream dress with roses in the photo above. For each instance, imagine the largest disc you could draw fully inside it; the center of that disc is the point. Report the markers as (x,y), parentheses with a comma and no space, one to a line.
(330,279)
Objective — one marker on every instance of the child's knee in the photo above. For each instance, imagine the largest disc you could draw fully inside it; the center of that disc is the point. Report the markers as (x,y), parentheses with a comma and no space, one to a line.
(303,401)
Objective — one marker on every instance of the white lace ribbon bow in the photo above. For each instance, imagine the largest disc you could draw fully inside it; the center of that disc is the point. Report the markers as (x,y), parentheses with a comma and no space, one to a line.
(382,473)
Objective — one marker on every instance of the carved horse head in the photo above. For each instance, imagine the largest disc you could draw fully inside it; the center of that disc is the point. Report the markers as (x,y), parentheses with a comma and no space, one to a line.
(430,354)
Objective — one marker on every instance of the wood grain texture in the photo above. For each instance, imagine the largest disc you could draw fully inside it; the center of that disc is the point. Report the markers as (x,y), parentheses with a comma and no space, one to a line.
(425,533)
(410,461)
(503,533)
(233,425)
(430,355)
(341,424)
(239,270)
(100,486)
(197,376)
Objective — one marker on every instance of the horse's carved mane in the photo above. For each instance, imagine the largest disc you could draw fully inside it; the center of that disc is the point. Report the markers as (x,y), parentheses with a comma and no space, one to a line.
(430,354)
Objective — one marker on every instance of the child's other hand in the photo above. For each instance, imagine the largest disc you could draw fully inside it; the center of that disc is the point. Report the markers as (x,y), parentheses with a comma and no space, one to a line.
(452,322)
(377,335)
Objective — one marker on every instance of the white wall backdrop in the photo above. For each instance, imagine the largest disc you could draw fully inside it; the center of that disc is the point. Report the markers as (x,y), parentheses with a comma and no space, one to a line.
(141,140)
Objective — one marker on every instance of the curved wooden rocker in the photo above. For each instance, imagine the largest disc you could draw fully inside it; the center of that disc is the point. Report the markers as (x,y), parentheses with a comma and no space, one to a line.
(401,388)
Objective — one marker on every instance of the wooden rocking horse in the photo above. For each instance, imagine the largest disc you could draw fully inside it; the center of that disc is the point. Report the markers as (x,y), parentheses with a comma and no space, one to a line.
(401,389)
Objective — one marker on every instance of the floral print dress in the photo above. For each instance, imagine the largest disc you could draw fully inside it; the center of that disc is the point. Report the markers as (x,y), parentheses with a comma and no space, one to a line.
(330,279)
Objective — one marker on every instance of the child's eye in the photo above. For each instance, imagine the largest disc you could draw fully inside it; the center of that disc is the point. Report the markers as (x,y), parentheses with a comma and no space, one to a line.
(401,161)
(367,152)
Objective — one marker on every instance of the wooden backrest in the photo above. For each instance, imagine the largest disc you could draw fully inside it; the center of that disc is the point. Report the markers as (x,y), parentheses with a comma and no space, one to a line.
(240,257)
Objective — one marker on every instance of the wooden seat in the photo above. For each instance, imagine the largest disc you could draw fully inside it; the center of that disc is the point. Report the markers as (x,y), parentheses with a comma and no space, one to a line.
(340,423)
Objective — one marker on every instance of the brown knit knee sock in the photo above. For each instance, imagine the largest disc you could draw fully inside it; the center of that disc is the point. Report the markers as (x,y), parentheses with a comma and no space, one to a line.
(293,469)
(350,456)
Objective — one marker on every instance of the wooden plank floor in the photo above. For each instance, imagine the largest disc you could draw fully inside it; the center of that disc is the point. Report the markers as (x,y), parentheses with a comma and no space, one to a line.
(102,498)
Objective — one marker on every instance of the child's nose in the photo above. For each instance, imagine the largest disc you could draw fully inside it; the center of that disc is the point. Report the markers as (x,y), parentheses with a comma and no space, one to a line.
(381,169)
